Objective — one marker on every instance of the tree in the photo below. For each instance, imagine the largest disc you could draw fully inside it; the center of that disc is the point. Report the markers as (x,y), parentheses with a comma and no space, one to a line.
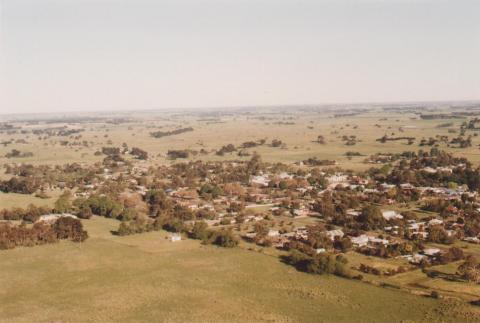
(276,143)
(371,218)
(225,238)
(63,205)
(343,244)
(139,153)
(84,212)
(210,191)
(200,231)
(317,237)
(236,207)
(158,202)
(283,185)
(32,213)
(439,235)
(69,228)
(470,269)
(233,189)
(254,165)
(323,263)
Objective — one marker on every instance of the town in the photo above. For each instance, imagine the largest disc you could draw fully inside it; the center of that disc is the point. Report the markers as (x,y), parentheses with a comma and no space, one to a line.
(413,210)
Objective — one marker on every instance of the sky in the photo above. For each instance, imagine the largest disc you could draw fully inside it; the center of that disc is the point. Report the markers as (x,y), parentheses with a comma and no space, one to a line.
(86,55)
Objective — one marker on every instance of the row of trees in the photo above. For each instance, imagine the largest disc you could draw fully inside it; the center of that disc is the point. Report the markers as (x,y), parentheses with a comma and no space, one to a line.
(160,134)
(223,238)
(322,263)
(30,214)
(22,185)
(65,228)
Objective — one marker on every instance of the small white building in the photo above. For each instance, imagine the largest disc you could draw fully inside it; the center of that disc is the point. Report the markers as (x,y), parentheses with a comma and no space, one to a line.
(52,218)
(175,238)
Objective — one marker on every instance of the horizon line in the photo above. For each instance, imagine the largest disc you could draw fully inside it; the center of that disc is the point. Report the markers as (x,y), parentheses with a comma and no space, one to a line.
(286,105)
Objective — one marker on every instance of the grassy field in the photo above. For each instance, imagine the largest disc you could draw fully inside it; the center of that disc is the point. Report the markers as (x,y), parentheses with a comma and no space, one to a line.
(147,278)
(11,200)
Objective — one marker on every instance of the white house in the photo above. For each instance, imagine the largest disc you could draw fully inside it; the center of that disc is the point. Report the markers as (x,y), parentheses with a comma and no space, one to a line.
(273,233)
(335,233)
(431,251)
(261,180)
(337,178)
(360,241)
(363,240)
(434,222)
(389,215)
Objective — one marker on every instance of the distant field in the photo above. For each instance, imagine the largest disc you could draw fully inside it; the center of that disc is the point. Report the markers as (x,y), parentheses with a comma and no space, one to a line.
(299,137)
(185,281)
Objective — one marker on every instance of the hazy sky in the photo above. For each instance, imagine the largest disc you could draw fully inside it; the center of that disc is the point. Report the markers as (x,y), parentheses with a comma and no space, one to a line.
(71,55)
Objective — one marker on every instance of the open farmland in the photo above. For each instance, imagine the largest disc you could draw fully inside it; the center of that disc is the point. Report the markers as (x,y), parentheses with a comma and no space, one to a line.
(297,129)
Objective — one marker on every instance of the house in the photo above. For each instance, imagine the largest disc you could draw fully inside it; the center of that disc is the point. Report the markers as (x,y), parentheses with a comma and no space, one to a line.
(431,252)
(353,213)
(391,229)
(471,239)
(364,240)
(359,241)
(273,233)
(415,259)
(407,186)
(285,175)
(260,180)
(301,233)
(389,215)
(429,170)
(337,178)
(434,222)
(416,230)
(377,241)
(335,233)
(280,242)
(142,190)
(386,186)
(300,213)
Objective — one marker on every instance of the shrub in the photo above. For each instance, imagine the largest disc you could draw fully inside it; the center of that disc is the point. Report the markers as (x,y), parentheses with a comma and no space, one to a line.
(224,238)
